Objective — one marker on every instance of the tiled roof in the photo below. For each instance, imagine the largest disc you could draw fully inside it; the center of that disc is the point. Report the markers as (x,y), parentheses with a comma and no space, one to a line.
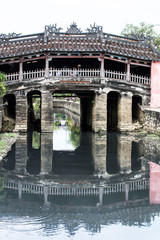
(76,43)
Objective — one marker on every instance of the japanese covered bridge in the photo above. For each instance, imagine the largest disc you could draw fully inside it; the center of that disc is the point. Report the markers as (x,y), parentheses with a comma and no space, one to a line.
(112,75)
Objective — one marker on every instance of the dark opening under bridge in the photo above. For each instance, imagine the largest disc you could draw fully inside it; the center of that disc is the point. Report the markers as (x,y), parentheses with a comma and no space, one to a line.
(112,75)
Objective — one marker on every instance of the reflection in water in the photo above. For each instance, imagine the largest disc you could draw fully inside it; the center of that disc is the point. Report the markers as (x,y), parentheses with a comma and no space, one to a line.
(99,187)
(33,153)
(66,134)
(112,154)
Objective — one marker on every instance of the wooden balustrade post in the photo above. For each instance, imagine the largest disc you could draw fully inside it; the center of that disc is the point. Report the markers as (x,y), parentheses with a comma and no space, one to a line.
(47,66)
(128,71)
(102,66)
(20,70)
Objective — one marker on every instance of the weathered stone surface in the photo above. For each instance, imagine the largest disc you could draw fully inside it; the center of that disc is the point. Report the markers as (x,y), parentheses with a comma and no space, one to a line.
(99,113)
(151,120)
(99,151)
(125,112)
(124,153)
(46,112)
(9,142)
(21,154)
(46,152)
(21,114)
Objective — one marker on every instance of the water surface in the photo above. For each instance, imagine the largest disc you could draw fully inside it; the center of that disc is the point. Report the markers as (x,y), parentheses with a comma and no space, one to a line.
(79,185)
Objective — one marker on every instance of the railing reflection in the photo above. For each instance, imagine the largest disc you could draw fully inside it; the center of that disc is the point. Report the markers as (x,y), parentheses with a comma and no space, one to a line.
(76,188)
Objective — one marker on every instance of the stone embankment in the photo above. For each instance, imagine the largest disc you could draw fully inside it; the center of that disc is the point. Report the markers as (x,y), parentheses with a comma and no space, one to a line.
(6,142)
(151,120)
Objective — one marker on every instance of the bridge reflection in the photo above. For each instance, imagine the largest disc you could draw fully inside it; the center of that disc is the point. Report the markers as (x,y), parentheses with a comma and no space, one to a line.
(126,197)
(96,155)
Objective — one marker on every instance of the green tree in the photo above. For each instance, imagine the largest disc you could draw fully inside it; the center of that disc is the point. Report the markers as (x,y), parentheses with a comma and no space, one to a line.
(3,88)
(143,31)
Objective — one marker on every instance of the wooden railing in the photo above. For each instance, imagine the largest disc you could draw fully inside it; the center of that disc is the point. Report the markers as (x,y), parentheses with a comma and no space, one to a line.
(115,75)
(139,79)
(70,74)
(66,72)
(12,77)
(34,74)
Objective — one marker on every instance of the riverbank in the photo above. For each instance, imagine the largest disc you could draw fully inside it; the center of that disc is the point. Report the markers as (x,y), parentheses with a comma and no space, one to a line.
(6,142)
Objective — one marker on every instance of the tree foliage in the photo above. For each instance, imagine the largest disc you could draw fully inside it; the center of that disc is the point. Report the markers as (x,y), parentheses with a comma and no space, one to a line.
(3,88)
(143,31)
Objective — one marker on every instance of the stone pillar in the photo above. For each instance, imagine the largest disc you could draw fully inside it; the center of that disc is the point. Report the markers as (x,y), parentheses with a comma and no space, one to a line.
(46,152)
(47,67)
(124,153)
(21,154)
(99,112)
(46,111)
(125,112)
(20,70)
(99,152)
(21,112)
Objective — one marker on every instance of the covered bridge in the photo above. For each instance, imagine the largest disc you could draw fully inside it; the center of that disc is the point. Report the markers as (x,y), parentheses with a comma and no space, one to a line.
(120,72)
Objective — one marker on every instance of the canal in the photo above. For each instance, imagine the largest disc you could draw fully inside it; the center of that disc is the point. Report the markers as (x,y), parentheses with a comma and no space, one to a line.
(74,184)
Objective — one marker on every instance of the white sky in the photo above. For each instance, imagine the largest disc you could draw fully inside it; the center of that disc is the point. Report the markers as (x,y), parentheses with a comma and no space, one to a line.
(31,16)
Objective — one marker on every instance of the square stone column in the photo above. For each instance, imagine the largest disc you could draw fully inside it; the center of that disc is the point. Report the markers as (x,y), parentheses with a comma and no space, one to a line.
(99,112)
(21,154)
(99,151)
(125,112)
(124,153)
(46,152)
(21,113)
(46,111)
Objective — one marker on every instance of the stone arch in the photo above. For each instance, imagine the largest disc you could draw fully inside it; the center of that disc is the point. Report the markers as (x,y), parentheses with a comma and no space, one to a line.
(113,98)
(34,110)
(136,110)
(9,101)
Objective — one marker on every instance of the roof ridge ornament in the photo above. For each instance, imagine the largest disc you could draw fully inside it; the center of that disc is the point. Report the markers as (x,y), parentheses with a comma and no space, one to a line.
(73,29)
(95,30)
(10,35)
(140,37)
(51,31)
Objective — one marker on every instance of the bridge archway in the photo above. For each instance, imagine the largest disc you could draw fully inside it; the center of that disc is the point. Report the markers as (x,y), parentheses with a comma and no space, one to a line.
(113,98)
(85,100)
(136,111)
(34,110)
(9,102)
